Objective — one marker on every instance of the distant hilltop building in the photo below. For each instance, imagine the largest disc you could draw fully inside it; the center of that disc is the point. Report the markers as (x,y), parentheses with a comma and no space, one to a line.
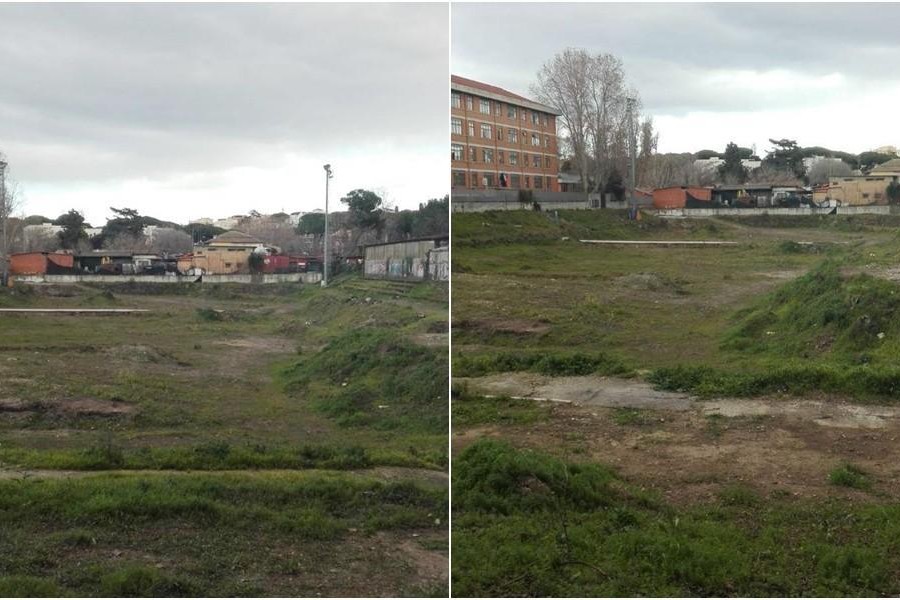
(892,150)
(714,162)
(501,140)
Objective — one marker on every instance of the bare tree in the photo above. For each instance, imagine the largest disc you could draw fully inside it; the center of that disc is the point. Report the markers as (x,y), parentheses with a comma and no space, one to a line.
(40,241)
(10,226)
(821,170)
(170,241)
(774,175)
(591,94)
(667,170)
(127,242)
(647,148)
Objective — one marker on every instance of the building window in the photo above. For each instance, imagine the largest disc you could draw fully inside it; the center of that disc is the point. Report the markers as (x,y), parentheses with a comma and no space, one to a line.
(488,156)
(524,115)
(535,140)
(472,154)
(515,181)
(535,118)
(484,106)
(513,136)
(489,180)
(456,126)
(459,179)
(455,101)
(537,161)
(498,109)
(468,102)
(544,120)
(500,156)
(513,158)
(538,182)
(500,133)
(547,162)
(525,158)
(546,141)
(471,129)
(527,181)
(456,151)
(486,131)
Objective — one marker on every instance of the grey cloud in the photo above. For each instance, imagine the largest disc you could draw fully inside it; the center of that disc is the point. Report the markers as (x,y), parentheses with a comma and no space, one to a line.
(669,49)
(112,91)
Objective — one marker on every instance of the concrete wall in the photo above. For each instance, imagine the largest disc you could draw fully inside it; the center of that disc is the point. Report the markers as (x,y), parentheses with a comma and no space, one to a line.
(439,264)
(265,278)
(746,212)
(480,201)
(403,260)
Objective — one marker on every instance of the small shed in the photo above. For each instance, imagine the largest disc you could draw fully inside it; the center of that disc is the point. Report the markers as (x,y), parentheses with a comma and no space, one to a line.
(682,197)
(41,263)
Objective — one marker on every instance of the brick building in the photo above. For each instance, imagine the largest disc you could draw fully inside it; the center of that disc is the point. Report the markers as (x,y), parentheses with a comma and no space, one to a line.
(500,140)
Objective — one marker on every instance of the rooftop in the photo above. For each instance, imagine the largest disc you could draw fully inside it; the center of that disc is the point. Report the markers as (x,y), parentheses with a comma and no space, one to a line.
(234,237)
(494,92)
(891,166)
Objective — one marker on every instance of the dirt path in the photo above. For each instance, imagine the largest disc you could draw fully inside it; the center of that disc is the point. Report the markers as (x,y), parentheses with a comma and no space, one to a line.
(389,473)
(612,392)
(587,391)
(691,449)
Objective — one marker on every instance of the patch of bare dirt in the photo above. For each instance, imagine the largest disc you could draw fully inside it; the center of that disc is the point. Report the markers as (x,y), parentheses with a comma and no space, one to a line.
(589,390)
(651,282)
(509,326)
(69,406)
(690,449)
(431,340)
(260,343)
(141,353)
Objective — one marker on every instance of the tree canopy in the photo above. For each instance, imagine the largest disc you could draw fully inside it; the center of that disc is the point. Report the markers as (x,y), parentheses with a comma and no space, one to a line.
(73,232)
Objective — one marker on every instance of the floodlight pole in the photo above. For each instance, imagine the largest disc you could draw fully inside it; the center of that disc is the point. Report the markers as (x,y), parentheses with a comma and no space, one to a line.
(327,240)
(632,142)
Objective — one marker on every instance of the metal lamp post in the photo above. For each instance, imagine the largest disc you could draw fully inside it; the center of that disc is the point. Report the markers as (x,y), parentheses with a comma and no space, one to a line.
(327,240)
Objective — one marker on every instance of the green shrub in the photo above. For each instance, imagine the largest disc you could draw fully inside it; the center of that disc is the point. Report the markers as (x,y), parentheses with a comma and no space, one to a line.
(546,363)
(851,476)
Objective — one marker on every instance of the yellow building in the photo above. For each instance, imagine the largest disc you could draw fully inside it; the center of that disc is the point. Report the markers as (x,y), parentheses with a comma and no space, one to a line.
(226,254)
(857,190)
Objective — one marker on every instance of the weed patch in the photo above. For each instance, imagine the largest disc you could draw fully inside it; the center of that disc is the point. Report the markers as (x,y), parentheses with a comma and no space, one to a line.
(851,476)
(560,529)
(472,410)
(546,363)
(375,378)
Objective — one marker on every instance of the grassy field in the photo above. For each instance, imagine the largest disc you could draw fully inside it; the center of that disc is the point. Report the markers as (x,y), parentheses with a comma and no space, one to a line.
(234,440)
(730,422)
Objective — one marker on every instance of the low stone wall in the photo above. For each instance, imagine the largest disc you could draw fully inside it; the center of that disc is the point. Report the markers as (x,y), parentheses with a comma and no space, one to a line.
(261,278)
(480,201)
(684,213)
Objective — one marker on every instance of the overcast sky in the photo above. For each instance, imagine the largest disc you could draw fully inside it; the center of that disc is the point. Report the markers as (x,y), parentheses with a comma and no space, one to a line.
(823,74)
(187,111)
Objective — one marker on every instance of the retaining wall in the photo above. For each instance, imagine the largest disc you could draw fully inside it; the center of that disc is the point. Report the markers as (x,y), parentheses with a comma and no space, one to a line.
(480,201)
(261,278)
(680,213)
